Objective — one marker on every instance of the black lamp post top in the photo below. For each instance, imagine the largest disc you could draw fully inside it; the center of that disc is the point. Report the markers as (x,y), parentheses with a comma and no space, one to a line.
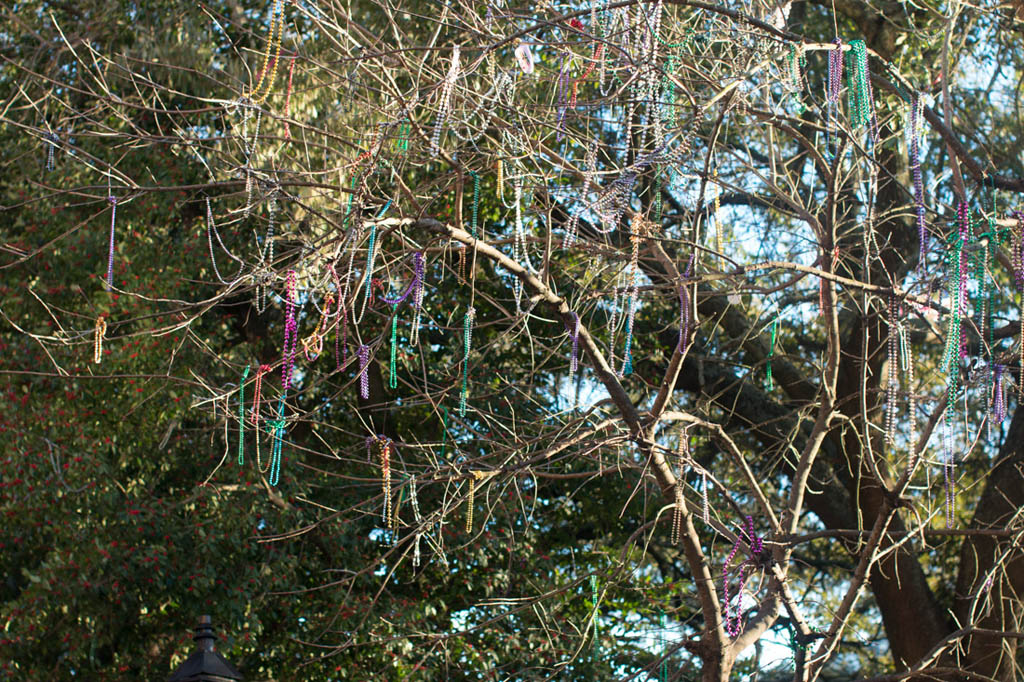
(205,665)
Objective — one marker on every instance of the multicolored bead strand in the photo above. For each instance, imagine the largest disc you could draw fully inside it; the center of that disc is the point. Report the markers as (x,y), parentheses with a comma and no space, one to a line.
(467,339)
(835,81)
(241,416)
(444,103)
(384,447)
(97,339)
(364,378)
(110,257)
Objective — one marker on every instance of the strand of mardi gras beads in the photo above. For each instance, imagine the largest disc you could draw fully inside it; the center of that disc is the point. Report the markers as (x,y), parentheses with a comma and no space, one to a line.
(684,318)
(384,446)
(955,348)
(413,286)
(796,61)
(677,512)
(275,454)
(444,103)
(254,414)
(637,229)
(1017,259)
(835,80)
(97,339)
(716,214)
(756,544)
(908,366)
(259,460)
(288,99)
(595,601)
(418,292)
(574,334)
(915,165)
(313,346)
(392,369)
(893,371)
(241,417)
(998,396)
(211,231)
(52,141)
(859,96)
(467,339)
(469,502)
(364,379)
(769,382)
(418,520)
(273,45)
(290,334)
(110,257)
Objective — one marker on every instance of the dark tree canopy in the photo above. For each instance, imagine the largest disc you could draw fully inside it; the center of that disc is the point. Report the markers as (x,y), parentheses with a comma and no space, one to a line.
(512,341)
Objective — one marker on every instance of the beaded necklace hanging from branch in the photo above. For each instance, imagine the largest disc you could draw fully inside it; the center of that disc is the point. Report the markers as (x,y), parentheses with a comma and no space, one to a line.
(574,335)
(97,339)
(52,144)
(638,230)
(211,232)
(110,257)
(795,63)
(258,93)
(1017,261)
(957,277)
(383,446)
(835,81)
(915,165)
(769,381)
(892,385)
(364,378)
(519,244)
(241,416)
(257,389)
(467,340)
(444,102)
(417,520)
(288,99)
(589,169)
(313,345)
(756,546)
(277,426)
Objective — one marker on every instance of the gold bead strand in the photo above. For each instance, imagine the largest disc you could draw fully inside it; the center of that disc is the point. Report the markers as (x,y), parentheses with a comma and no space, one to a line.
(385,464)
(469,502)
(276,29)
(97,342)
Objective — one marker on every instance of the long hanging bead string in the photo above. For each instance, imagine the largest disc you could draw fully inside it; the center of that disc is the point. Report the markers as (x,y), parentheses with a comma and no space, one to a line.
(595,601)
(519,247)
(467,340)
(756,544)
(384,446)
(364,379)
(907,364)
(52,141)
(314,344)
(1017,261)
(290,343)
(769,381)
(915,165)
(418,520)
(211,232)
(444,103)
(474,216)
(954,347)
(859,96)
(835,80)
(288,99)
(998,396)
(273,45)
(254,413)
(97,339)
(241,417)
(469,501)
(892,385)
(574,334)
(795,80)
(392,365)
(110,257)
(637,229)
